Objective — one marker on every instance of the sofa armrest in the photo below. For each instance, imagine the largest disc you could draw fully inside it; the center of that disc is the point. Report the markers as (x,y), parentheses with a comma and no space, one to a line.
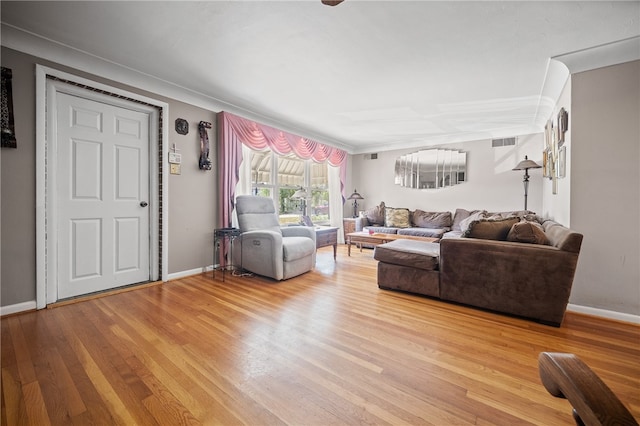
(528,280)
(361,222)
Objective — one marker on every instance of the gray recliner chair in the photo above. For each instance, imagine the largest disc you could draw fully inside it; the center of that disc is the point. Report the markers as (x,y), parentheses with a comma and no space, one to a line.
(265,248)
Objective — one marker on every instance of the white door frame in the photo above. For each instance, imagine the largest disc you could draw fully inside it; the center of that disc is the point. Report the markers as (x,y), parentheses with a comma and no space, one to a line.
(46,174)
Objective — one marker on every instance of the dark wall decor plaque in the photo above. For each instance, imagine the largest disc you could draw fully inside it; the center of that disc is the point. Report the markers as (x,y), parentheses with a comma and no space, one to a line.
(182,126)
(8,128)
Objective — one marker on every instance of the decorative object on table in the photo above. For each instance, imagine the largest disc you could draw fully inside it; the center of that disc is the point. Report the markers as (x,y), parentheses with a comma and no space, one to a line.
(182,126)
(301,194)
(355,197)
(8,128)
(306,221)
(204,163)
(525,165)
(331,2)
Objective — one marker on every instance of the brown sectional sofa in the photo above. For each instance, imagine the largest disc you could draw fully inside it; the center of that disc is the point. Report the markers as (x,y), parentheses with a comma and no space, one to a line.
(530,280)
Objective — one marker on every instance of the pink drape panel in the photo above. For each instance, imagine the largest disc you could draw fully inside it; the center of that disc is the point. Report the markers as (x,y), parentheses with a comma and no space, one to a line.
(234,131)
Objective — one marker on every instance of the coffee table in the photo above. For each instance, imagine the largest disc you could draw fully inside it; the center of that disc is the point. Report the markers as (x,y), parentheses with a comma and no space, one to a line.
(379,238)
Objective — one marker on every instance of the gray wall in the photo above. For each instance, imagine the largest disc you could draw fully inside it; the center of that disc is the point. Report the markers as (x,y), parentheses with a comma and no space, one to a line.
(605,186)
(192,195)
(491,182)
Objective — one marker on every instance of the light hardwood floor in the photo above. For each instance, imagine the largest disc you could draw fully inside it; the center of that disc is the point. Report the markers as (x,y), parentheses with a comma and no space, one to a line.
(325,348)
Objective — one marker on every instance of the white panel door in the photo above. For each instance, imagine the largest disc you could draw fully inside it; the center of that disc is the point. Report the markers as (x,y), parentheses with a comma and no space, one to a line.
(102,196)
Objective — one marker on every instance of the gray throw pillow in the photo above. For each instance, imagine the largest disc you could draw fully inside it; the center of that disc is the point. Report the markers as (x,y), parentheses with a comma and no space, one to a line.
(375,215)
(424,219)
(460,215)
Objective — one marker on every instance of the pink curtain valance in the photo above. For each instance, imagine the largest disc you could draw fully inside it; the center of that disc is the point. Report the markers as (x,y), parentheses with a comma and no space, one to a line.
(233,131)
(260,136)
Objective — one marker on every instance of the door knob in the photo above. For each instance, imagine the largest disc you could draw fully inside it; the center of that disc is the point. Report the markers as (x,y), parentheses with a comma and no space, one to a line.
(143,204)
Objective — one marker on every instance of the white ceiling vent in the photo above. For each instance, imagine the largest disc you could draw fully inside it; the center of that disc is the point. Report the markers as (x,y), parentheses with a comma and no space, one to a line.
(373,156)
(503,142)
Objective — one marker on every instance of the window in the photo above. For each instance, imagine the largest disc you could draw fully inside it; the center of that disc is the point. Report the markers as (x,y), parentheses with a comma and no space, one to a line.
(292,174)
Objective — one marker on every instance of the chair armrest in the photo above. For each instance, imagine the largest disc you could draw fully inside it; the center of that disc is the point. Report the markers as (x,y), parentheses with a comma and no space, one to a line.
(299,231)
(566,376)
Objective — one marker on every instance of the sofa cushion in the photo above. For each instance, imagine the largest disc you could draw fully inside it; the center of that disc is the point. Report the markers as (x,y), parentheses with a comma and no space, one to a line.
(460,215)
(488,229)
(423,232)
(527,232)
(375,215)
(423,219)
(412,253)
(380,229)
(473,217)
(396,218)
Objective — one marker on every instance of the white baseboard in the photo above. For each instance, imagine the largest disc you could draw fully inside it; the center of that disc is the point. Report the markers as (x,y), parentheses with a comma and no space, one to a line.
(18,307)
(182,274)
(596,312)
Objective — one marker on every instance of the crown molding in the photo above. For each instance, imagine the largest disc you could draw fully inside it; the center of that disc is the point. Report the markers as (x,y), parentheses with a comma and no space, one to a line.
(50,50)
(604,55)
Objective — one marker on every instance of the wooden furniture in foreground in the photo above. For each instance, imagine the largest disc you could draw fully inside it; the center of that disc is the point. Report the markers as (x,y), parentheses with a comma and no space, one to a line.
(566,376)
(348,226)
(327,236)
(379,238)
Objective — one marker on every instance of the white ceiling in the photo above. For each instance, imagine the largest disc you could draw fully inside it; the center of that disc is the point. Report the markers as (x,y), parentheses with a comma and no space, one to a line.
(363,75)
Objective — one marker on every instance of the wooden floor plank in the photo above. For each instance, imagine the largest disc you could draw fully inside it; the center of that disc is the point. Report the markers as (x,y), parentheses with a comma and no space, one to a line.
(324,348)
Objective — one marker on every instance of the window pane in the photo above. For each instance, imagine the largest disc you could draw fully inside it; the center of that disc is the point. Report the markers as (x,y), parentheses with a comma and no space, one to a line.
(290,209)
(319,177)
(290,171)
(261,169)
(319,200)
(319,206)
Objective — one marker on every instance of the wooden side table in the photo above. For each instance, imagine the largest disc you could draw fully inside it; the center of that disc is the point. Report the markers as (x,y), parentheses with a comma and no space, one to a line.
(327,237)
(348,226)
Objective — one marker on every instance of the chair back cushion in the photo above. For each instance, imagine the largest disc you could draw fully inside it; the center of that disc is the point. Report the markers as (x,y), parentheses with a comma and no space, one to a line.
(256,213)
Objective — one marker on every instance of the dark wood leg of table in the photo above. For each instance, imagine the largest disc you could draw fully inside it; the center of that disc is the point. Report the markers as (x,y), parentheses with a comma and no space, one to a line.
(335,250)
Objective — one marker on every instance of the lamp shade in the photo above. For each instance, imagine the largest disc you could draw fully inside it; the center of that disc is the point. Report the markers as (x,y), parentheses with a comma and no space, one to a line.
(527,164)
(355,196)
(300,193)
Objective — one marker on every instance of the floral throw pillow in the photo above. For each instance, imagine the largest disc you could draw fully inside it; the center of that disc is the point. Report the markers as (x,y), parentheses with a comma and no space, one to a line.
(396,218)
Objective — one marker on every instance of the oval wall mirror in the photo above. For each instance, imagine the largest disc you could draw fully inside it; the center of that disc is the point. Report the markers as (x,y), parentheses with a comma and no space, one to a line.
(431,168)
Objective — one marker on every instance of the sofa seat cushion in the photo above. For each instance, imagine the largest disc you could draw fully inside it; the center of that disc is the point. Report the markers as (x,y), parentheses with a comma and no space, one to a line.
(415,254)
(295,248)
(423,232)
(381,229)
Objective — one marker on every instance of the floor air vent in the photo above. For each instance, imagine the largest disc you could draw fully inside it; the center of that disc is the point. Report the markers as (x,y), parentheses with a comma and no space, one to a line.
(503,142)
